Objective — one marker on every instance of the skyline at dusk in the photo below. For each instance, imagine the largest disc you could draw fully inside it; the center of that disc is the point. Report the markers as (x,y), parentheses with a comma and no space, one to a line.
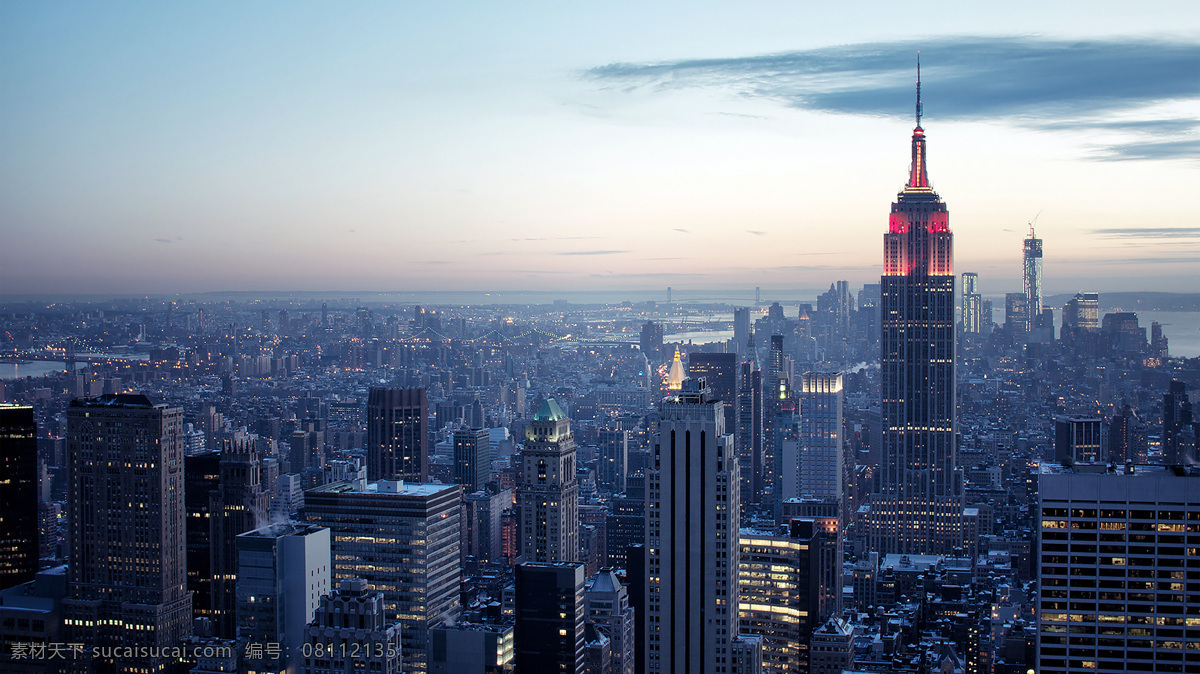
(154,150)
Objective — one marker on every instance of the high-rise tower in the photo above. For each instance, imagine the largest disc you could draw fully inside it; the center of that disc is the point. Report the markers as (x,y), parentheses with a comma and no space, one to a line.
(919,507)
(1032,258)
(127,570)
(18,495)
(549,492)
(397,436)
(972,304)
(693,510)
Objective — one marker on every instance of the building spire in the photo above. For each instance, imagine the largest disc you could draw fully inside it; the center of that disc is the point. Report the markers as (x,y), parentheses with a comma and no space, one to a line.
(918,89)
(918,176)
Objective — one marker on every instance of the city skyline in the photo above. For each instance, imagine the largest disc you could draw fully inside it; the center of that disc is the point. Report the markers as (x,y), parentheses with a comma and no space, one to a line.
(174,149)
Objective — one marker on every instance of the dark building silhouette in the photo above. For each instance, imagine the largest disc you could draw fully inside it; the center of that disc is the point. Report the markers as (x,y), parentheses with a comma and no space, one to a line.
(239,504)
(919,507)
(202,476)
(1077,439)
(472,458)
(750,430)
(652,341)
(18,495)
(720,372)
(397,435)
(127,575)
(548,634)
(1180,428)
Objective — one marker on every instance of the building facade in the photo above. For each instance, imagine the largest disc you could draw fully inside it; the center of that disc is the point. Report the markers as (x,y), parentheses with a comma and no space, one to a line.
(127,567)
(403,540)
(550,618)
(18,495)
(694,505)
(549,490)
(1115,559)
(919,506)
(397,435)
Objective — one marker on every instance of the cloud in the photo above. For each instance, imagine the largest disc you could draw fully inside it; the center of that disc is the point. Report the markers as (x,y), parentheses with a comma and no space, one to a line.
(680,229)
(1164,150)
(1054,85)
(1148,232)
(756,232)
(594,252)
(164,240)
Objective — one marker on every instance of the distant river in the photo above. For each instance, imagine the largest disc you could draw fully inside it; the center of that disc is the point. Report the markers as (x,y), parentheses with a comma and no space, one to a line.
(1181,328)
(31,368)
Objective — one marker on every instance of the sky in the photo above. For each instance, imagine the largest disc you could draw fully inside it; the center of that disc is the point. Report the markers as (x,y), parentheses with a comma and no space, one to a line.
(152,148)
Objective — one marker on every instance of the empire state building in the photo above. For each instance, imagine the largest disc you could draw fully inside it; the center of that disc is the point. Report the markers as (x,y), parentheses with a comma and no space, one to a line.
(919,508)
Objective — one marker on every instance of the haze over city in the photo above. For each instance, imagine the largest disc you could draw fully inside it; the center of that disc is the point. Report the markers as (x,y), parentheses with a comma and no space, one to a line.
(193,148)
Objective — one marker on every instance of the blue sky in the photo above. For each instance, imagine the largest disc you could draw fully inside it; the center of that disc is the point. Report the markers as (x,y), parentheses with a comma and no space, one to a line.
(152,148)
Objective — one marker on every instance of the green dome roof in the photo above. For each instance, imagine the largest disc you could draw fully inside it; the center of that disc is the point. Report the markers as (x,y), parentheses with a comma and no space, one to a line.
(550,412)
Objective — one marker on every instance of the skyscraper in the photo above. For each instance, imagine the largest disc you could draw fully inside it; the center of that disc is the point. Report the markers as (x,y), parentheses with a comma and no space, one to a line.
(397,435)
(18,495)
(550,620)
(1032,276)
(127,571)
(1180,428)
(403,539)
(821,460)
(750,428)
(239,505)
(472,458)
(694,505)
(283,570)
(1135,591)
(549,491)
(720,372)
(919,507)
(972,304)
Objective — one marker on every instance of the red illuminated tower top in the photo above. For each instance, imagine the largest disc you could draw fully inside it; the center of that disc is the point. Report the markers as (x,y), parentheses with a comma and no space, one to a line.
(918,177)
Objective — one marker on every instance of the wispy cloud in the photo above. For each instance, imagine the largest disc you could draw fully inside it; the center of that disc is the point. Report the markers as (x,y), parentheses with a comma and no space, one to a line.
(756,232)
(1148,232)
(594,252)
(1056,85)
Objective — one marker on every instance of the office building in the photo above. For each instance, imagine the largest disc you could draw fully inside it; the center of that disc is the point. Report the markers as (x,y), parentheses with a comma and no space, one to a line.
(127,570)
(397,435)
(741,330)
(283,571)
(972,304)
(550,617)
(240,504)
(750,429)
(403,539)
(350,633)
(1181,427)
(831,649)
(472,458)
(1077,439)
(775,394)
(1017,317)
(780,600)
(606,605)
(918,509)
(612,450)
(1115,572)
(549,491)
(1081,314)
(18,495)
(694,505)
(720,372)
(1032,276)
(202,476)
(472,648)
(651,339)
(820,467)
